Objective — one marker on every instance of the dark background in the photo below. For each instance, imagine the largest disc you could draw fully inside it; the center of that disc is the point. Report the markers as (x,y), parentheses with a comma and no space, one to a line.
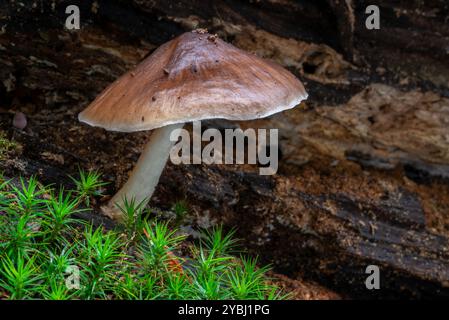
(364,170)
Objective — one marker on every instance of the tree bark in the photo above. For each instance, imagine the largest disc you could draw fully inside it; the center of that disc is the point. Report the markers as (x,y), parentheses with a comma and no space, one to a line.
(363,176)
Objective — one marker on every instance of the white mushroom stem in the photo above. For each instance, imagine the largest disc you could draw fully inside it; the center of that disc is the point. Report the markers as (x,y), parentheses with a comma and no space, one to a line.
(145,175)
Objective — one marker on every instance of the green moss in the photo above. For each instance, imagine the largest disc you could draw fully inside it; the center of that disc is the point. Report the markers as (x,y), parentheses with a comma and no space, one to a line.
(45,253)
(6,146)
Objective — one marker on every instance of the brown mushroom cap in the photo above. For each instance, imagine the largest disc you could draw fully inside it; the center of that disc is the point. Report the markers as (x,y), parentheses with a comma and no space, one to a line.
(195,76)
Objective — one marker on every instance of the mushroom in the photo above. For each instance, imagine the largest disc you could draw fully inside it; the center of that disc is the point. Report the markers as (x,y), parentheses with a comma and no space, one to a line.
(195,76)
(19,121)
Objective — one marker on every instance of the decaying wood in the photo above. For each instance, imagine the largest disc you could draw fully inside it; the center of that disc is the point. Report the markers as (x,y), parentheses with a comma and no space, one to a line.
(328,237)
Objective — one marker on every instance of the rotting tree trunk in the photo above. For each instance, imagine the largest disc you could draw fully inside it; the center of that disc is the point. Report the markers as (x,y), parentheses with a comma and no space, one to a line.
(363,175)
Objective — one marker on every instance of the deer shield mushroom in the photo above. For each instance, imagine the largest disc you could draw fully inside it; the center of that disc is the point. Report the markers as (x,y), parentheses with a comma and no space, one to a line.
(195,76)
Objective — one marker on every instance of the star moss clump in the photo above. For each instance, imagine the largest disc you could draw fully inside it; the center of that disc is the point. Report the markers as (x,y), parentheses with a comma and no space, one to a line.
(47,253)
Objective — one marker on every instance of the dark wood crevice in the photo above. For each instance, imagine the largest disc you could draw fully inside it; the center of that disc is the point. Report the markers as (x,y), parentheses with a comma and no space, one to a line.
(328,237)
